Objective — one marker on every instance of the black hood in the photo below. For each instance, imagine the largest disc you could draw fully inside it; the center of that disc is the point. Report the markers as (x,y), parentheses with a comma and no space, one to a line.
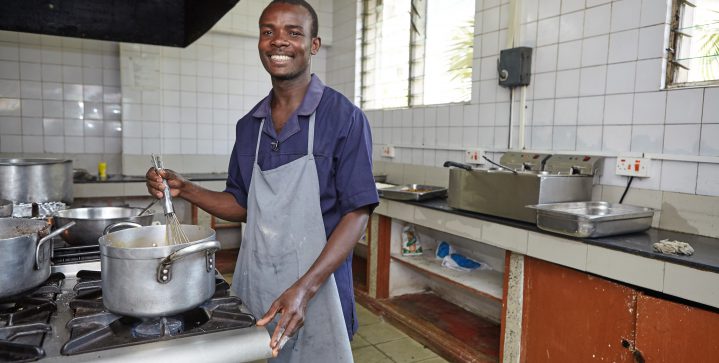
(175,23)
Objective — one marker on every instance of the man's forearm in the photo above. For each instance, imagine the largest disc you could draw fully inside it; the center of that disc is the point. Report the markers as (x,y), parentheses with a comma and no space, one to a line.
(340,244)
(219,204)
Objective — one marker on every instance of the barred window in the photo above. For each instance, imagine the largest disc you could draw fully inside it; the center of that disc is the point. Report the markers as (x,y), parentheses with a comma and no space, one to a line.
(693,52)
(416,52)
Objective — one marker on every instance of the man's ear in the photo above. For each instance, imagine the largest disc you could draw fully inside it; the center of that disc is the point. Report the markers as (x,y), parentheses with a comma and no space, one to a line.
(316,44)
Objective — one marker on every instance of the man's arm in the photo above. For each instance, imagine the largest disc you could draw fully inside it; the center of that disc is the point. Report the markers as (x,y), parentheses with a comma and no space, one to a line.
(292,304)
(220,204)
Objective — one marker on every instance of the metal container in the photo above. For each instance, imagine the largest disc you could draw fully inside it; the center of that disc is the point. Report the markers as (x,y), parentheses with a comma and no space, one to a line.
(524,181)
(36,180)
(592,219)
(413,192)
(24,254)
(91,222)
(142,276)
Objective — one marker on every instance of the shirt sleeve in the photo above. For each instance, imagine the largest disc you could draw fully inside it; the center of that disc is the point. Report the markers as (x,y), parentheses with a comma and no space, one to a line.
(234,184)
(353,179)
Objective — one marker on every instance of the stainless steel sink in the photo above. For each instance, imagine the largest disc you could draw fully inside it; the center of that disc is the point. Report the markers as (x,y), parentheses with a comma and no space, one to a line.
(592,219)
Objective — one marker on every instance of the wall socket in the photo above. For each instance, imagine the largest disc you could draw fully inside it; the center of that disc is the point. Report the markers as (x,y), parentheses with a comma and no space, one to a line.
(631,166)
(474,156)
(388,151)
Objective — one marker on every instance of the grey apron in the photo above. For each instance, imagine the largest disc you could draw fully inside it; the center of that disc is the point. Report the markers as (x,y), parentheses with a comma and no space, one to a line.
(285,235)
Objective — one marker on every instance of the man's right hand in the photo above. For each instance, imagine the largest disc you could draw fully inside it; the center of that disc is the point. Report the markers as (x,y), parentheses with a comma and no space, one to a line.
(155,187)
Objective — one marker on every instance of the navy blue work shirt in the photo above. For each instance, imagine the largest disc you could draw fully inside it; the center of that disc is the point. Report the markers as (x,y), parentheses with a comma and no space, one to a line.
(343,155)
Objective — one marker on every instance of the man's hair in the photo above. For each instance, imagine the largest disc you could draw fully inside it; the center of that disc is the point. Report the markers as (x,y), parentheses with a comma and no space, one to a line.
(304,4)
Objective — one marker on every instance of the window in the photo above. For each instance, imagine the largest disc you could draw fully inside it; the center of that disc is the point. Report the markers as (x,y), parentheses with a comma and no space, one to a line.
(416,52)
(693,52)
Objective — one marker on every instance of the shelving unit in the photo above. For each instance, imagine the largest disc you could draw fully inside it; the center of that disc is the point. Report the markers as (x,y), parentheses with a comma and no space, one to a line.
(486,283)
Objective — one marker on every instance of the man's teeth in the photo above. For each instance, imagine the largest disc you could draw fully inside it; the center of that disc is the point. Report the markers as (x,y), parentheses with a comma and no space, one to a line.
(280,58)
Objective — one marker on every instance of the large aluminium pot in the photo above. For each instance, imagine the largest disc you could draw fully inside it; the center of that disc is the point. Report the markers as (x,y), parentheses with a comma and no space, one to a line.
(143,276)
(36,180)
(24,254)
(91,222)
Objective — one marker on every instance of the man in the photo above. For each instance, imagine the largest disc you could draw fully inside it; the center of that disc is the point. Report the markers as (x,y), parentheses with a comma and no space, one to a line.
(300,175)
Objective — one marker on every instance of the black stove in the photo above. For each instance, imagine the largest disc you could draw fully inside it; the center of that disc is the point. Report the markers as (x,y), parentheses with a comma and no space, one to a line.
(93,328)
(24,321)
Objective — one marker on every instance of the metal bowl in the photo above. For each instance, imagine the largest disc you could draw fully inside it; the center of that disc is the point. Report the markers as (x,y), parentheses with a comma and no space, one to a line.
(91,222)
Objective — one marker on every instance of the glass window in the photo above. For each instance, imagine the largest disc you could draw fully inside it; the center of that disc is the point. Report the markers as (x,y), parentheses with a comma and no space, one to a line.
(416,52)
(693,52)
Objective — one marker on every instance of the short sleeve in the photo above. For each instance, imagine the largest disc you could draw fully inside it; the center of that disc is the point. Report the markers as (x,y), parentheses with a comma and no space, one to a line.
(353,173)
(234,184)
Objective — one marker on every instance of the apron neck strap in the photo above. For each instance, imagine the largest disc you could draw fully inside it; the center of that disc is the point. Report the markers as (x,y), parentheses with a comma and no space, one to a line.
(310,137)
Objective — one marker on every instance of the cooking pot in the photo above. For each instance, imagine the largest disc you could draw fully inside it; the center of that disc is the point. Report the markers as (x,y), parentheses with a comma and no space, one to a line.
(24,254)
(91,222)
(36,180)
(143,276)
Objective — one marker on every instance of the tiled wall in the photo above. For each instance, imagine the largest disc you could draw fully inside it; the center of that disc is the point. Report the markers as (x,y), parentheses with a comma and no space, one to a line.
(597,66)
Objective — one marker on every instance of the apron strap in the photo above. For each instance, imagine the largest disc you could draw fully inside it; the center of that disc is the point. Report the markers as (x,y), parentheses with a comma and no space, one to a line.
(259,137)
(311,137)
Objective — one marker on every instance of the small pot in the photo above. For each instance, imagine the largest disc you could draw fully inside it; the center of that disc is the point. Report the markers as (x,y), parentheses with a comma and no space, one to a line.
(143,277)
(24,254)
(91,222)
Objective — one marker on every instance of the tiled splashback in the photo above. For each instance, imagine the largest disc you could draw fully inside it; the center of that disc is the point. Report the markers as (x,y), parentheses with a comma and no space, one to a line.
(597,67)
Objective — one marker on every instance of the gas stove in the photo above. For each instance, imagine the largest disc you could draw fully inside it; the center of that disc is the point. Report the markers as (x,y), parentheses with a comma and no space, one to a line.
(64,320)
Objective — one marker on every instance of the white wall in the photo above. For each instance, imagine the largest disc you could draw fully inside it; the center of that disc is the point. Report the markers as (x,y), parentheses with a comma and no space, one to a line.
(597,66)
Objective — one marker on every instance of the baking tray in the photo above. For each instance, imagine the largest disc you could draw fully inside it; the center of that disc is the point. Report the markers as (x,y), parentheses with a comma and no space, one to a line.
(592,219)
(413,192)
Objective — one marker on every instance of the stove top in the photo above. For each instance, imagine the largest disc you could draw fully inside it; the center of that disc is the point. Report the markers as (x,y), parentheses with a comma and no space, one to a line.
(64,320)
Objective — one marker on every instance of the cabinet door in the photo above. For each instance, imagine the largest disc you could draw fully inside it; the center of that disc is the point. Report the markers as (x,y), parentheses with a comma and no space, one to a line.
(671,332)
(572,316)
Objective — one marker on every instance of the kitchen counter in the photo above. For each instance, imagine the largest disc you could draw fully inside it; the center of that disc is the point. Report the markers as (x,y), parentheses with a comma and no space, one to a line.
(627,258)
(119,178)
(128,186)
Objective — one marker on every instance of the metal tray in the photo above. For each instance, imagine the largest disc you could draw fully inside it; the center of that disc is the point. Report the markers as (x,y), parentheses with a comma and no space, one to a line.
(592,219)
(413,192)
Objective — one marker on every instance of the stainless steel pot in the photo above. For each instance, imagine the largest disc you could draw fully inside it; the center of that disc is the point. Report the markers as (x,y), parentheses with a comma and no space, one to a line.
(36,180)
(142,276)
(24,254)
(91,222)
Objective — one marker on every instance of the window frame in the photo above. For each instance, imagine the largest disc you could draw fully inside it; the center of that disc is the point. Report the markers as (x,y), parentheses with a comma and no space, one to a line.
(671,51)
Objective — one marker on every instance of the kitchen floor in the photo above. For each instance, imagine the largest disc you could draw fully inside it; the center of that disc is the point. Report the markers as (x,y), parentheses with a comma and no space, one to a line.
(379,342)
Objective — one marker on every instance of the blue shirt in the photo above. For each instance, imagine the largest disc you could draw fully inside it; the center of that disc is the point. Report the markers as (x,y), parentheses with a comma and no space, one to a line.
(343,155)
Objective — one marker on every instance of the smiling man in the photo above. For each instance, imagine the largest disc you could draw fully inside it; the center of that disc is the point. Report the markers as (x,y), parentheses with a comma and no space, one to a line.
(300,174)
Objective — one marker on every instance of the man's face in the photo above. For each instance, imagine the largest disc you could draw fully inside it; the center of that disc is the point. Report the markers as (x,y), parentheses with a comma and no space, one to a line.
(286,43)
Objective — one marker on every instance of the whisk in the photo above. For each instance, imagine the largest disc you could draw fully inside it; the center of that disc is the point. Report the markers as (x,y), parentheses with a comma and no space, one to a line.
(173,229)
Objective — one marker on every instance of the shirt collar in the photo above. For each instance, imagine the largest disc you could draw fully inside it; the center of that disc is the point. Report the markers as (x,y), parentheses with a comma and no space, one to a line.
(307,107)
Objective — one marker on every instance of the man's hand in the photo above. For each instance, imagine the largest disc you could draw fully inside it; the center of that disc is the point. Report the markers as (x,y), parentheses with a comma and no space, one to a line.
(291,306)
(155,186)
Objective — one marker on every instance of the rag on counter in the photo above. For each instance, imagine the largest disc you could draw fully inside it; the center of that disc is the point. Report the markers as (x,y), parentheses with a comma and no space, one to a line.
(455,261)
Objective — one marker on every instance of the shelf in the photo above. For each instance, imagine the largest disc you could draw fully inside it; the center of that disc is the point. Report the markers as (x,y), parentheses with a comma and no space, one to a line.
(486,283)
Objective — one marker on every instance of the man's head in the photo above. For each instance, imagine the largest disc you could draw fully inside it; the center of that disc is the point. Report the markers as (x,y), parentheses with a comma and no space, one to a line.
(288,38)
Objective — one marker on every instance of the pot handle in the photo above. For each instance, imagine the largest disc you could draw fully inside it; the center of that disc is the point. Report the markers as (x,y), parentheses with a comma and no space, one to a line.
(109,228)
(164,269)
(47,238)
(455,164)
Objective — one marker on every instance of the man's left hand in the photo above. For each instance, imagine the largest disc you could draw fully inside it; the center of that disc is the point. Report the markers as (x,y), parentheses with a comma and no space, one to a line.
(291,306)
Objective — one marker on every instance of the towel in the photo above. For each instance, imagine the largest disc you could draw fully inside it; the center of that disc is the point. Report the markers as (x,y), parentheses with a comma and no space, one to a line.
(673,247)
(455,261)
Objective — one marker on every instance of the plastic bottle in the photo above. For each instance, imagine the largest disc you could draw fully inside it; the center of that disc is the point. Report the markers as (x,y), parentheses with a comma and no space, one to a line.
(102,170)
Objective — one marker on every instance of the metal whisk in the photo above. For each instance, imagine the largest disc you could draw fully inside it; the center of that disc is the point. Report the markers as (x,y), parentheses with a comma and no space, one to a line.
(173,229)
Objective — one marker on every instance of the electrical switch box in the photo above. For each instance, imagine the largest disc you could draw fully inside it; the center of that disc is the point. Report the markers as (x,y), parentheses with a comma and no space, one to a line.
(388,151)
(514,66)
(630,166)
(474,156)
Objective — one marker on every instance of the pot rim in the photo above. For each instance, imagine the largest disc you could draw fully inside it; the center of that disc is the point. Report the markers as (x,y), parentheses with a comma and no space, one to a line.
(58,214)
(35,234)
(149,252)
(31,161)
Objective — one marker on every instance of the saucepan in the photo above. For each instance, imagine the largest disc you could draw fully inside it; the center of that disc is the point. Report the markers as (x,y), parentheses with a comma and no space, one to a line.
(91,222)
(144,276)
(25,254)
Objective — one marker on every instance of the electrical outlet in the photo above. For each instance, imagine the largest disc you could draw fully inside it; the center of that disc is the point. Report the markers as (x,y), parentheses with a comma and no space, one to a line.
(631,166)
(388,151)
(474,156)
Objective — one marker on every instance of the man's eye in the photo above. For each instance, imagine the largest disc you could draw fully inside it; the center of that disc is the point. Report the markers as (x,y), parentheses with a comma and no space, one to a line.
(267,32)
(295,34)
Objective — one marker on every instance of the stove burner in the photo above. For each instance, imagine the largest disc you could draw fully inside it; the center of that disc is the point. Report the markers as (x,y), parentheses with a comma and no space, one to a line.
(93,328)
(157,327)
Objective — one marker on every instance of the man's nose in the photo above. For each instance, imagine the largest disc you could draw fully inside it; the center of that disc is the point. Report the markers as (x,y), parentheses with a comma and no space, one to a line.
(280,41)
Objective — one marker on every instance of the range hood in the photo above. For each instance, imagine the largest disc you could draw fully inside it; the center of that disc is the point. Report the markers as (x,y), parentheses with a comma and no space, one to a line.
(175,23)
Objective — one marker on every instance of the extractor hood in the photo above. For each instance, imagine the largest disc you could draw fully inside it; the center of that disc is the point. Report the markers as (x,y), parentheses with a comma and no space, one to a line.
(175,23)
